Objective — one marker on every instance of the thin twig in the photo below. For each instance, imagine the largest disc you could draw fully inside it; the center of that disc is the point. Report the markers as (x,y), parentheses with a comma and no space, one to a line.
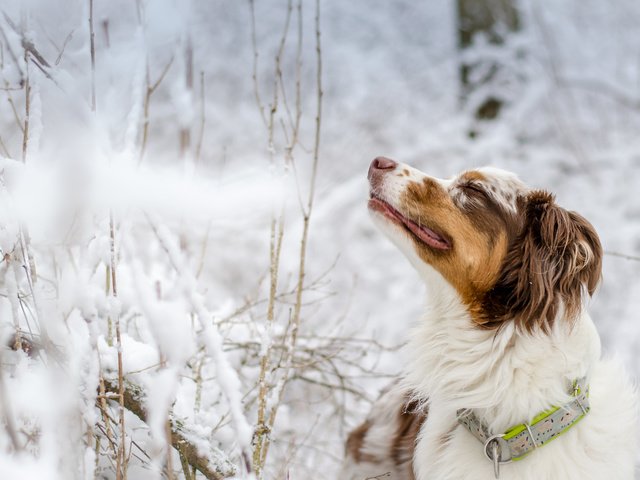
(622,255)
(12,104)
(275,245)
(295,318)
(4,148)
(27,107)
(120,458)
(254,44)
(102,405)
(92,42)
(202,119)
(64,45)
(185,130)
(151,88)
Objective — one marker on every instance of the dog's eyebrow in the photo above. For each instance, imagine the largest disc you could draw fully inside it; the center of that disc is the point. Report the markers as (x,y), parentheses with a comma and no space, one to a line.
(471,175)
(471,180)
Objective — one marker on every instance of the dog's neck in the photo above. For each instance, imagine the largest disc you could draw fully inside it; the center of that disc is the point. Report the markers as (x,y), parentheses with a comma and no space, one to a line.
(506,377)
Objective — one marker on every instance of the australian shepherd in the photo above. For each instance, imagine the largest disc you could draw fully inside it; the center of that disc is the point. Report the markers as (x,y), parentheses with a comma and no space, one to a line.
(506,358)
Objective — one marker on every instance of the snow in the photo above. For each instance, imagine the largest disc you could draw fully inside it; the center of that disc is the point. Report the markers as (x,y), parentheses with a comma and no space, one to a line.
(192,233)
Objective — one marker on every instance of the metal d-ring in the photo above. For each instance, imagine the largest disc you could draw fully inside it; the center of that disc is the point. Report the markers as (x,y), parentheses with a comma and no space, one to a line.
(496,462)
(496,453)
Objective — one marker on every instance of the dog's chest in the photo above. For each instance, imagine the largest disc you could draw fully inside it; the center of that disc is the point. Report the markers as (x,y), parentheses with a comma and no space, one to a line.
(445,450)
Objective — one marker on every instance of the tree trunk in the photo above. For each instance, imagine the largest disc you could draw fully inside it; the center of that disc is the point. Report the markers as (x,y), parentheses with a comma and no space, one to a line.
(495,19)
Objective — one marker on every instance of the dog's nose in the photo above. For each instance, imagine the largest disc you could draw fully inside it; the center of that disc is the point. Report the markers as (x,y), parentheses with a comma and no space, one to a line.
(378,168)
(383,163)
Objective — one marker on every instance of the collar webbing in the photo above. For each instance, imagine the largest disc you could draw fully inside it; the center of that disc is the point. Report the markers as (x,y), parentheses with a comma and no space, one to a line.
(520,440)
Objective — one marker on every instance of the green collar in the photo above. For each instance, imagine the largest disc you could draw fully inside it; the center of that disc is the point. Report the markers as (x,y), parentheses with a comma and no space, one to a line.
(520,440)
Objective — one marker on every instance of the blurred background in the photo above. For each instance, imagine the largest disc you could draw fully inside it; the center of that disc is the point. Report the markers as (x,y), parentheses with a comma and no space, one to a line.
(183,218)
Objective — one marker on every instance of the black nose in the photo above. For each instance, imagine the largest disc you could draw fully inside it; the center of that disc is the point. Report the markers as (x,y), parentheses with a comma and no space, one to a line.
(383,163)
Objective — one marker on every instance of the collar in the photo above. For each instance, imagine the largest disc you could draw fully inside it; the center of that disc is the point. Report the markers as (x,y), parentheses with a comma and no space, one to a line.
(520,440)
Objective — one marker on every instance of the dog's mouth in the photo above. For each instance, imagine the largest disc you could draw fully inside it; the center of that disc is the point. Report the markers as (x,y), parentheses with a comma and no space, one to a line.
(422,233)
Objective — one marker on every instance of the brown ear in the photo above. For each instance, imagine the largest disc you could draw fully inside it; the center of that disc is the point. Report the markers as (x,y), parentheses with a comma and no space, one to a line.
(555,258)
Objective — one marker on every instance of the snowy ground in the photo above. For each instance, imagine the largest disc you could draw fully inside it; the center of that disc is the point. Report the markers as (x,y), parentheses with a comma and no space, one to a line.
(192,227)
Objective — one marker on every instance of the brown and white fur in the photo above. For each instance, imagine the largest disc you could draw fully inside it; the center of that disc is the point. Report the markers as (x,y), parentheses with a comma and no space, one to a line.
(505,333)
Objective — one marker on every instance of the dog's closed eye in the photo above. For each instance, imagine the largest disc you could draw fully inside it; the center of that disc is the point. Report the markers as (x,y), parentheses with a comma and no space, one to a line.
(471,188)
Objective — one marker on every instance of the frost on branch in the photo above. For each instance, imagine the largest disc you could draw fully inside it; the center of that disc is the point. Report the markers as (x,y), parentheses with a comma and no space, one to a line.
(197,450)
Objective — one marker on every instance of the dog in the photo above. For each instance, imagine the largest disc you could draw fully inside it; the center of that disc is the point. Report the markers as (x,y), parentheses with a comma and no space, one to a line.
(505,377)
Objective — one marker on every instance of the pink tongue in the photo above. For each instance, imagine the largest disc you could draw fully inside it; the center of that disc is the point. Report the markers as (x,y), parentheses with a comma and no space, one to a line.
(429,237)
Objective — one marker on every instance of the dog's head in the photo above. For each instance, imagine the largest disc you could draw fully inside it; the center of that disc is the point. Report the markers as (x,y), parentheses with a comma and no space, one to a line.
(511,253)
